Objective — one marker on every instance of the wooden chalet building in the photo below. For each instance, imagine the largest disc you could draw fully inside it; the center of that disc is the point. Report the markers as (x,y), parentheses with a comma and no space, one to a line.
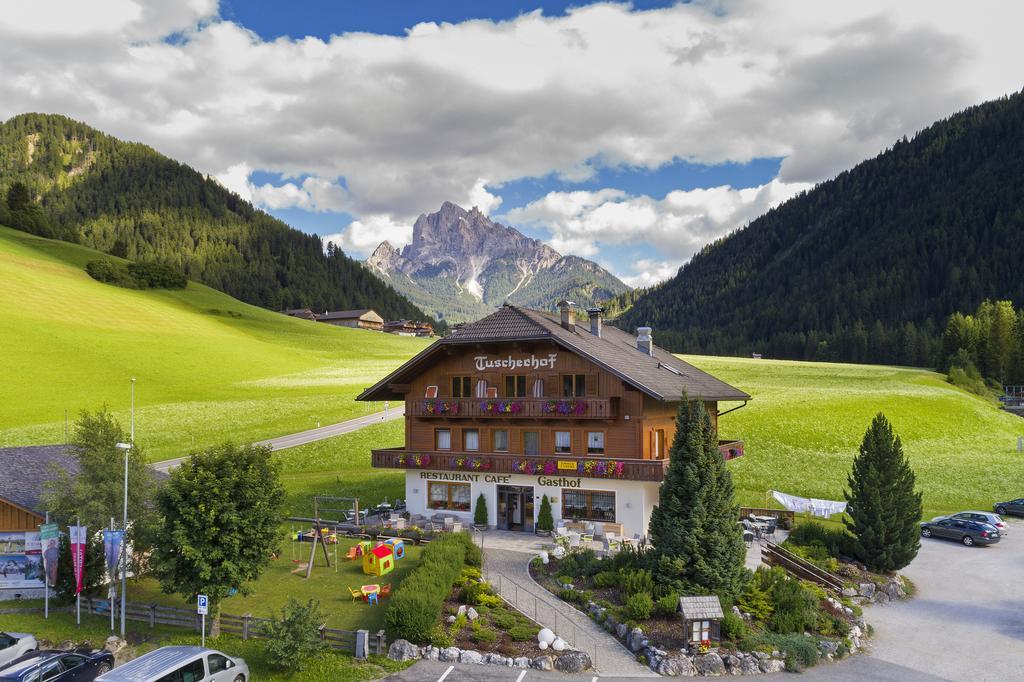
(523,403)
(364,318)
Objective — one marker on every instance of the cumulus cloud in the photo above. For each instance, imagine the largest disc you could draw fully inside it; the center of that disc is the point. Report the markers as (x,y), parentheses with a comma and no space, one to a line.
(364,235)
(677,226)
(392,126)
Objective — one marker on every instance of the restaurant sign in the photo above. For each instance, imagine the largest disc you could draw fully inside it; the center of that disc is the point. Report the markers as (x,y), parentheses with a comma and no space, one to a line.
(563,465)
(533,362)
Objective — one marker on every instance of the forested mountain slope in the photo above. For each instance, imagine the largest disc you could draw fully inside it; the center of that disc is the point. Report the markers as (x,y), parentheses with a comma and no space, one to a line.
(867,266)
(128,200)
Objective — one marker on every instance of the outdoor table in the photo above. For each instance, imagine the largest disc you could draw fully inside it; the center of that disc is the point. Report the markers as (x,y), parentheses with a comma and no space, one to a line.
(367,590)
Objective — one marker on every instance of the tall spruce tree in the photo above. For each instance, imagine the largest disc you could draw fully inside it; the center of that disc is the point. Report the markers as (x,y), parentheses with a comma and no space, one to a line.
(884,508)
(697,544)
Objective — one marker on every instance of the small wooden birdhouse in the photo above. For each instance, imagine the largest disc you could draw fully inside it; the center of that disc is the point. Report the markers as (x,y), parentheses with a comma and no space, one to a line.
(702,619)
(379,560)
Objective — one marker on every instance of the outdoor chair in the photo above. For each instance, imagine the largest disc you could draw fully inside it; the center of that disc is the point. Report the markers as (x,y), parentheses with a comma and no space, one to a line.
(355,594)
(353,553)
(400,524)
(456,527)
(385,591)
(371,598)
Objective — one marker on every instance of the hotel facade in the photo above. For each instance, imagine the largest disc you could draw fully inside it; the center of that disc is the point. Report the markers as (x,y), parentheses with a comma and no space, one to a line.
(522,404)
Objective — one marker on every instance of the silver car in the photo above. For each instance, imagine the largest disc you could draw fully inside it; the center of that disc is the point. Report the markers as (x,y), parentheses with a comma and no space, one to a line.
(990,518)
(14,645)
(180,664)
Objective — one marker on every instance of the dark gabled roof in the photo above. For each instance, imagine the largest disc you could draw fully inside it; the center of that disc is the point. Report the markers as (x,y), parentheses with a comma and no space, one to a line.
(26,470)
(345,314)
(701,608)
(662,375)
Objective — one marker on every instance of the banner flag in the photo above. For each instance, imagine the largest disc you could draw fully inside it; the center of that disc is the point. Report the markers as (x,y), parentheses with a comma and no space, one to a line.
(78,538)
(49,539)
(112,540)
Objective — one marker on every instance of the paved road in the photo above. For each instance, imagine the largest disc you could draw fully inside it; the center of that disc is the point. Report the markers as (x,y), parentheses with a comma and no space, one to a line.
(303,437)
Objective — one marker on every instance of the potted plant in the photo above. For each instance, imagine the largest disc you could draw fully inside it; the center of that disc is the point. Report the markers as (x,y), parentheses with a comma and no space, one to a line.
(545,522)
(480,515)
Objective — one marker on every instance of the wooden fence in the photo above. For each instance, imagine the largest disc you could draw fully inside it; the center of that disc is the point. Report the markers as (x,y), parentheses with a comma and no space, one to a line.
(774,555)
(359,643)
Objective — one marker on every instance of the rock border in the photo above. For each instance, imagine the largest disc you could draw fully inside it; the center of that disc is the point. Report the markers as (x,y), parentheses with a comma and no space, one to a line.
(571,661)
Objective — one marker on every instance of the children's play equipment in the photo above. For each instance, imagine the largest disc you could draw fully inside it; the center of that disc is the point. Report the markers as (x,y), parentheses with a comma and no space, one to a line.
(379,561)
(363,548)
(397,547)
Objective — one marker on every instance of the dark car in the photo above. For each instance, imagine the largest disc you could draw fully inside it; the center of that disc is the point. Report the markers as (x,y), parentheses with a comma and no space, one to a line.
(58,666)
(1011,507)
(968,532)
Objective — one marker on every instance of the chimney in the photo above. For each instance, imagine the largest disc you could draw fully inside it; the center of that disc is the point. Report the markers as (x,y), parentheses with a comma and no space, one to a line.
(644,344)
(568,311)
(595,320)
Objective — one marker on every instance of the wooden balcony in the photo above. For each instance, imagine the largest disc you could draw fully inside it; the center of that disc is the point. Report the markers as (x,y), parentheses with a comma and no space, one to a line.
(608,468)
(514,408)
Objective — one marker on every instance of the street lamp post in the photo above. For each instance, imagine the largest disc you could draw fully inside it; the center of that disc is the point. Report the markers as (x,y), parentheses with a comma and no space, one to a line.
(124,539)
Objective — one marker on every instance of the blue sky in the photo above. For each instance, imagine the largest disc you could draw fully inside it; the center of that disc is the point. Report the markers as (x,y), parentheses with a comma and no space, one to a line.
(632,134)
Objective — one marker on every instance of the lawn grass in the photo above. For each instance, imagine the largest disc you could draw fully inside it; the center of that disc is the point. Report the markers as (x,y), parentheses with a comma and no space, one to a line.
(208,367)
(326,667)
(806,422)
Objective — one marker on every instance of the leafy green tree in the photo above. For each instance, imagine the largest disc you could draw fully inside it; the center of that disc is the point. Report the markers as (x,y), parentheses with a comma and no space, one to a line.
(480,514)
(884,508)
(545,521)
(221,521)
(18,196)
(96,493)
(292,636)
(698,546)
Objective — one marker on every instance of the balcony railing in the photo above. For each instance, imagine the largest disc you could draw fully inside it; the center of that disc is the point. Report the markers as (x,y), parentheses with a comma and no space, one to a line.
(731,449)
(626,469)
(514,408)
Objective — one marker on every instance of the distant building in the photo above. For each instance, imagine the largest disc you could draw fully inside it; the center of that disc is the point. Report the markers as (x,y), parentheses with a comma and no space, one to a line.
(357,319)
(409,328)
(26,472)
(301,313)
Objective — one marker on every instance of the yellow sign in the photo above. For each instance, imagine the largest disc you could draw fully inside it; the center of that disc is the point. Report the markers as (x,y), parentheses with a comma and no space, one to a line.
(566,465)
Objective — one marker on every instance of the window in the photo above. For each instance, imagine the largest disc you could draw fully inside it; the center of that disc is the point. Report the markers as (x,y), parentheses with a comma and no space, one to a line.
(501,440)
(538,388)
(443,439)
(563,442)
(460,387)
(51,671)
(471,439)
(531,443)
(192,672)
(431,392)
(589,505)
(658,444)
(72,661)
(450,496)
(574,385)
(515,386)
(700,630)
(217,663)
(595,442)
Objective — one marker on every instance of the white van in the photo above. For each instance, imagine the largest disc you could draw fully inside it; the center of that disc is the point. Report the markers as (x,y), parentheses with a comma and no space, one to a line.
(180,664)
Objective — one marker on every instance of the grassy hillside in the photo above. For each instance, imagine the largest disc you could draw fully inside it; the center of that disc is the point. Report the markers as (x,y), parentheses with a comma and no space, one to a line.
(208,367)
(807,419)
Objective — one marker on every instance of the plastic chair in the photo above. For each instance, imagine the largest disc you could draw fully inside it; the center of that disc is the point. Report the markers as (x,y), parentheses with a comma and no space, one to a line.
(371,598)
(355,594)
(385,591)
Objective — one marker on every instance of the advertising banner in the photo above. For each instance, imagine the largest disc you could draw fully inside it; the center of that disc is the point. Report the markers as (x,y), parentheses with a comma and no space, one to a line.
(78,537)
(49,538)
(20,560)
(112,540)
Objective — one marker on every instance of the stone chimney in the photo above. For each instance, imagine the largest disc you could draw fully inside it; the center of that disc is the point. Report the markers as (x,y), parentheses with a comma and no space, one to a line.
(644,344)
(568,311)
(595,320)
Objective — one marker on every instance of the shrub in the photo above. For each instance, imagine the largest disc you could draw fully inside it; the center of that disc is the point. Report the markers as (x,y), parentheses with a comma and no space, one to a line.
(667,606)
(156,275)
(488,601)
(440,638)
(583,563)
(795,608)
(800,650)
(292,637)
(835,542)
(504,621)
(639,606)
(417,603)
(470,573)
(483,636)
(564,579)
(523,633)
(460,622)
(733,627)
(636,581)
(606,579)
(480,513)
(545,522)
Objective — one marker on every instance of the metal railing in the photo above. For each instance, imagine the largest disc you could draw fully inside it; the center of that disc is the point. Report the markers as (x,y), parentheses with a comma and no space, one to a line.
(775,555)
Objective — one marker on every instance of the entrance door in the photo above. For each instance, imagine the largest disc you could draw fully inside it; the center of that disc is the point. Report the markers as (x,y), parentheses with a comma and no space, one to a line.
(515,507)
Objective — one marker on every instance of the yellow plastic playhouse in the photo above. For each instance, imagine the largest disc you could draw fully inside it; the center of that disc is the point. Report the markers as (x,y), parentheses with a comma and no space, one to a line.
(378,561)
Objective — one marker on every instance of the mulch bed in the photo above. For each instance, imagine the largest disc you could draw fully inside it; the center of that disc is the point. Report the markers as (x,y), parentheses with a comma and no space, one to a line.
(504,644)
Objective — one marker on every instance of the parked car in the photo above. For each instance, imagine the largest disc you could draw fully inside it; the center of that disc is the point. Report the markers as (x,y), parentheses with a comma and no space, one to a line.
(990,518)
(1011,507)
(968,532)
(82,665)
(180,664)
(15,645)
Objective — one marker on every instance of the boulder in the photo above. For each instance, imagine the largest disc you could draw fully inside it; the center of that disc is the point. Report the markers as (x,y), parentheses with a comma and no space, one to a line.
(546,635)
(849,592)
(558,552)
(635,639)
(462,610)
(855,631)
(880,597)
(732,664)
(449,654)
(521,662)
(497,659)
(472,614)
(66,645)
(676,666)
(866,590)
(573,662)
(761,656)
(469,656)
(542,663)
(450,619)
(620,630)
(773,665)
(114,644)
(750,666)
(403,650)
(559,644)
(894,589)
(828,647)
(430,653)
(709,664)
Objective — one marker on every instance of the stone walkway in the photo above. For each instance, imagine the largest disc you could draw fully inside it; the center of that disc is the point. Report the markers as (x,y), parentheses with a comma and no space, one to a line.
(506,555)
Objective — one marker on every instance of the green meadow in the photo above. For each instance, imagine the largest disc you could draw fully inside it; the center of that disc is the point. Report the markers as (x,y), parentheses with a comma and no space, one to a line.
(208,367)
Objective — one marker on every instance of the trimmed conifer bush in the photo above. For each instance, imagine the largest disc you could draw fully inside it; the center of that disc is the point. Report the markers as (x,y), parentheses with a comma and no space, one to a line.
(545,522)
(480,514)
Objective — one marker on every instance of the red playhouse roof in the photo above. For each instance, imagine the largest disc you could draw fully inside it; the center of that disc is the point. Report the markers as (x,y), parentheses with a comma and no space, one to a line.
(381,552)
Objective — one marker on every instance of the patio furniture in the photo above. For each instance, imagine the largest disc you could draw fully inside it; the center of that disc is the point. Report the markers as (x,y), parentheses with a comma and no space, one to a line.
(574,541)
(385,591)
(367,590)
(449,522)
(353,553)
(456,527)
(355,594)
(400,524)
(372,598)
(615,528)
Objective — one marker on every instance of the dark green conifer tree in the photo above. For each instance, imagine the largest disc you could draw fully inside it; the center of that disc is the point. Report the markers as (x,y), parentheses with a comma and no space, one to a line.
(698,546)
(884,508)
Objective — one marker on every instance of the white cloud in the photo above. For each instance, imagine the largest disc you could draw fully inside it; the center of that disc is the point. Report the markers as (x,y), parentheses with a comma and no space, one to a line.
(363,236)
(677,226)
